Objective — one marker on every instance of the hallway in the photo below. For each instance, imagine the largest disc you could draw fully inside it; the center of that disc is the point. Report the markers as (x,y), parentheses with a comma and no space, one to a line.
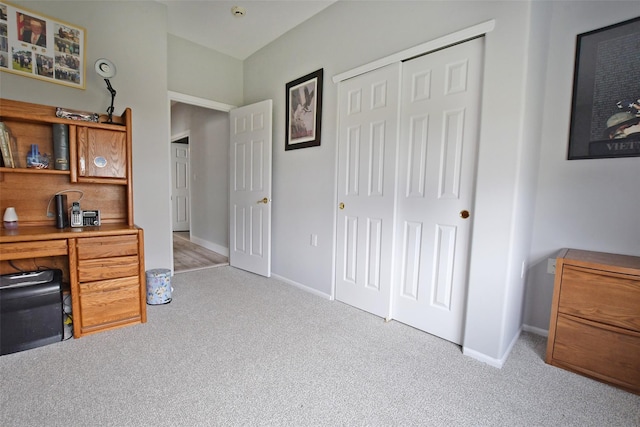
(188,256)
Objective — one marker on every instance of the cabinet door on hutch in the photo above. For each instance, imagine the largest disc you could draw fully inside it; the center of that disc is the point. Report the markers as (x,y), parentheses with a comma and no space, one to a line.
(102,153)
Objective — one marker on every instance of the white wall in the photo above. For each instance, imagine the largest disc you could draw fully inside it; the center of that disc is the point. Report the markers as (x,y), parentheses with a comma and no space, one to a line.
(134,36)
(583,204)
(527,167)
(349,34)
(198,71)
(209,154)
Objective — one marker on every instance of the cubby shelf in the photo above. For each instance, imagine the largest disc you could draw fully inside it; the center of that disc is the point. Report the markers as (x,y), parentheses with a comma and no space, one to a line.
(35,171)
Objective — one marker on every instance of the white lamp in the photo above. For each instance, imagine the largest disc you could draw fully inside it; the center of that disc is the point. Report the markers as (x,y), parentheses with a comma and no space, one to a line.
(107,69)
(10,218)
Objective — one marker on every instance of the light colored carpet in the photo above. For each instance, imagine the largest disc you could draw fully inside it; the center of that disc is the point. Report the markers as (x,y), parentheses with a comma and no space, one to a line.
(236,349)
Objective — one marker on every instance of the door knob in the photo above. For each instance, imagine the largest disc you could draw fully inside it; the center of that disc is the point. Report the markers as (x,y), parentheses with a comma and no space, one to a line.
(341,205)
(464,214)
(265,201)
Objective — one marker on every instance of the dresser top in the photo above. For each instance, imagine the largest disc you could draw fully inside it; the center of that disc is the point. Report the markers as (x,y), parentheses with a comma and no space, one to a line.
(626,264)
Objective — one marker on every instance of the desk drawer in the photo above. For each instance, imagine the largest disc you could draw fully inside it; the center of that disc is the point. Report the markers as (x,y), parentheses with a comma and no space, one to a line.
(107,247)
(22,250)
(606,353)
(601,296)
(110,301)
(91,270)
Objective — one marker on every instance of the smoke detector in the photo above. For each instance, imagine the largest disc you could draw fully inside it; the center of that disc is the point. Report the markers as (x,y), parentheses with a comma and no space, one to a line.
(238,11)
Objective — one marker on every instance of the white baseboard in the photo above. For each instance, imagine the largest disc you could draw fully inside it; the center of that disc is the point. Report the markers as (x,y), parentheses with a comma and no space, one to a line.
(211,246)
(492,361)
(535,330)
(496,363)
(301,286)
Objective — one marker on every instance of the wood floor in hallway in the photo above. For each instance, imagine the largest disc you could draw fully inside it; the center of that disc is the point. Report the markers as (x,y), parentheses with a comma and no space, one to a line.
(187,256)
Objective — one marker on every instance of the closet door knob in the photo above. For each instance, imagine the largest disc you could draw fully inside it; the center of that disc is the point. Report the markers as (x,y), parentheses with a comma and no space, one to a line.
(464,214)
(265,201)
(341,205)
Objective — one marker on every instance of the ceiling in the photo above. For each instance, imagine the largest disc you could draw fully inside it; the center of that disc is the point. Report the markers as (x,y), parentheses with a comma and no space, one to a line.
(211,23)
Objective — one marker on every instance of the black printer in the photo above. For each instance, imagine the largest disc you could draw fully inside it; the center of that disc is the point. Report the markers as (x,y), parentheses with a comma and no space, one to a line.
(30,310)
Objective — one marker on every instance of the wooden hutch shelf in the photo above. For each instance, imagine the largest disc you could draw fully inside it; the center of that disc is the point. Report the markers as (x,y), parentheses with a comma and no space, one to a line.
(102,265)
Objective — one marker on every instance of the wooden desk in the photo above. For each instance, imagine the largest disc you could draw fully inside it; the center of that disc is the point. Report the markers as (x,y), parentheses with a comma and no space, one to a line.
(104,267)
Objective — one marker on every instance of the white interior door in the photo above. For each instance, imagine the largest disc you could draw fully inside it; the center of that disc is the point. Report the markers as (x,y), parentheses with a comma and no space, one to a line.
(180,186)
(368,107)
(250,192)
(436,168)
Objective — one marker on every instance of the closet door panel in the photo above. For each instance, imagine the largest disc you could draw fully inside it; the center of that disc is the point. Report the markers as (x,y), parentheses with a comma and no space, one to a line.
(437,150)
(368,107)
(406,257)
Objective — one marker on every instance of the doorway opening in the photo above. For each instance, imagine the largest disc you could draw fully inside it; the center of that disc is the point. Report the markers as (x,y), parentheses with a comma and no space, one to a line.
(200,204)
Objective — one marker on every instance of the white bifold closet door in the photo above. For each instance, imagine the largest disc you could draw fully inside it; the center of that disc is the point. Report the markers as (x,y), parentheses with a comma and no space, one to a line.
(432,186)
(436,176)
(368,112)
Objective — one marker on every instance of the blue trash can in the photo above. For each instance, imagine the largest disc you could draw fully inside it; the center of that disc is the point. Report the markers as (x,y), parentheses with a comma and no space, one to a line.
(159,286)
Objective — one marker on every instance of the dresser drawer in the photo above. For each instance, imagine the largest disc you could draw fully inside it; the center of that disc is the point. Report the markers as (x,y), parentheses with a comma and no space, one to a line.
(42,248)
(107,285)
(107,268)
(600,296)
(106,247)
(110,302)
(608,354)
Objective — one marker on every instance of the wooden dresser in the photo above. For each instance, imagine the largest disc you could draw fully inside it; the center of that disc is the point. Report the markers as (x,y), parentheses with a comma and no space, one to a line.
(102,265)
(595,317)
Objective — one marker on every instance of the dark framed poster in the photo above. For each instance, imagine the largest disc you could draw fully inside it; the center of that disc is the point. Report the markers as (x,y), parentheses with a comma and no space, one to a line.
(37,46)
(605,112)
(304,111)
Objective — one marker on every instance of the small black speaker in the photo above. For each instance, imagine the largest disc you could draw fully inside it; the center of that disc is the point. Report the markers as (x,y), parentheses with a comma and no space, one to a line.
(62,215)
